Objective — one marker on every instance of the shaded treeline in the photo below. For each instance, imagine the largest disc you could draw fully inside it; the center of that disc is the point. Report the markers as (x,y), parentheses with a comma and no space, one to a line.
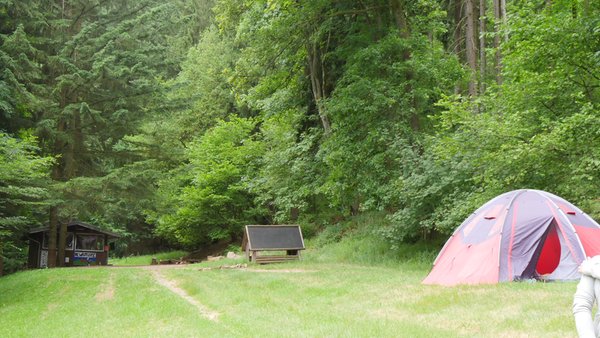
(178,122)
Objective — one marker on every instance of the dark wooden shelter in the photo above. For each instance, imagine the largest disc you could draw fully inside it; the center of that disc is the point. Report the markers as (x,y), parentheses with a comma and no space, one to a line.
(283,242)
(85,245)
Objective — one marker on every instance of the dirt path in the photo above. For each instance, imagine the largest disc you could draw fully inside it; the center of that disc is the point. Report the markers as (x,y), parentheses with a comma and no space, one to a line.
(172,286)
(281,271)
(108,291)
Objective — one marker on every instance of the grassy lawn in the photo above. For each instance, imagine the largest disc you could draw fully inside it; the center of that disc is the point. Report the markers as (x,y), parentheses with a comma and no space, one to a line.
(93,302)
(305,299)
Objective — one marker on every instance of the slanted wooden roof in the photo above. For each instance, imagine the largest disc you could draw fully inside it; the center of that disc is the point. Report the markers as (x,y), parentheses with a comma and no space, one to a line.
(74,224)
(273,237)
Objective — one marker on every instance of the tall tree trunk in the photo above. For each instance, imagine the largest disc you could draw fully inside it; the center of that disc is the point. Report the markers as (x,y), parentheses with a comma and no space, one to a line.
(498,57)
(482,56)
(470,45)
(586,7)
(294,214)
(317,81)
(379,21)
(398,9)
(54,252)
(1,258)
(74,151)
(458,36)
(503,13)
(52,236)
(74,146)
(62,240)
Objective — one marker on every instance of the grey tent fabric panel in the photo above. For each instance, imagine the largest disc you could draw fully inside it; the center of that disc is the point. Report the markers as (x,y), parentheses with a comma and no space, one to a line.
(568,267)
(566,230)
(527,256)
(527,209)
(527,240)
(577,217)
(537,206)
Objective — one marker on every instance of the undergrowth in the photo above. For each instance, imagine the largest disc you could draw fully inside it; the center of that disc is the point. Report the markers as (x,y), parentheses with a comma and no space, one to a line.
(359,240)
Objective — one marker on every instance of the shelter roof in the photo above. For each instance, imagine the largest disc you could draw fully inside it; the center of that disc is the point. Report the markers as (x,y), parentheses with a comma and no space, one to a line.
(74,224)
(273,237)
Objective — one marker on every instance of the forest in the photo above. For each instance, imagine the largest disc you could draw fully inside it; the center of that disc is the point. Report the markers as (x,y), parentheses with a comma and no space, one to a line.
(175,123)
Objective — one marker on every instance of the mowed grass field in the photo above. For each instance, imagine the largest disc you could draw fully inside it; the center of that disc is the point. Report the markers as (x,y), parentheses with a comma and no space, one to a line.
(311,298)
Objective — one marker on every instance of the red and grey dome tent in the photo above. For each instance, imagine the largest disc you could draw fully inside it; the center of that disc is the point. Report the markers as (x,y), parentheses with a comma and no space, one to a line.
(521,234)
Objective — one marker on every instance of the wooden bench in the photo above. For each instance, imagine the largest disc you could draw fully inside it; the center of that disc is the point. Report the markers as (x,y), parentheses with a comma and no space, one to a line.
(257,257)
(271,238)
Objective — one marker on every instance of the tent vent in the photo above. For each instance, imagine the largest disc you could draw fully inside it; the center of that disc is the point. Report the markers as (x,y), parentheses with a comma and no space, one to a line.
(492,214)
(567,210)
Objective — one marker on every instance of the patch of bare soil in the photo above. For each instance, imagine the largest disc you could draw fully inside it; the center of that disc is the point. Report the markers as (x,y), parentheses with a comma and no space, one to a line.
(172,286)
(281,271)
(50,308)
(108,292)
(225,267)
(245,268)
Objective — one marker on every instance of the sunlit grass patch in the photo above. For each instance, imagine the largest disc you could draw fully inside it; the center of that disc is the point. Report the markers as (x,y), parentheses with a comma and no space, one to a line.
(296,299)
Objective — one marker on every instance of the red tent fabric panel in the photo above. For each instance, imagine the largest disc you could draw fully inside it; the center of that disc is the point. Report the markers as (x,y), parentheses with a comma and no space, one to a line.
(462,263)
(590,239)
(550,256)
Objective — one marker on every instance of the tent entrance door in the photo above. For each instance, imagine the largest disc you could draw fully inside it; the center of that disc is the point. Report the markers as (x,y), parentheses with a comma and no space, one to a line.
(550,255)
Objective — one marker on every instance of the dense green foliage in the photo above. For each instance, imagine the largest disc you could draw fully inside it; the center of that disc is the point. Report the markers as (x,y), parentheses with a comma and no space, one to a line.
(208,199)
(23,190)
(539,129)
(81,75)
(182,121)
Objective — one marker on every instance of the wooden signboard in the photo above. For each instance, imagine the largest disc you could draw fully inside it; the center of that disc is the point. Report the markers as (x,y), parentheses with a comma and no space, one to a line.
(286,238)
